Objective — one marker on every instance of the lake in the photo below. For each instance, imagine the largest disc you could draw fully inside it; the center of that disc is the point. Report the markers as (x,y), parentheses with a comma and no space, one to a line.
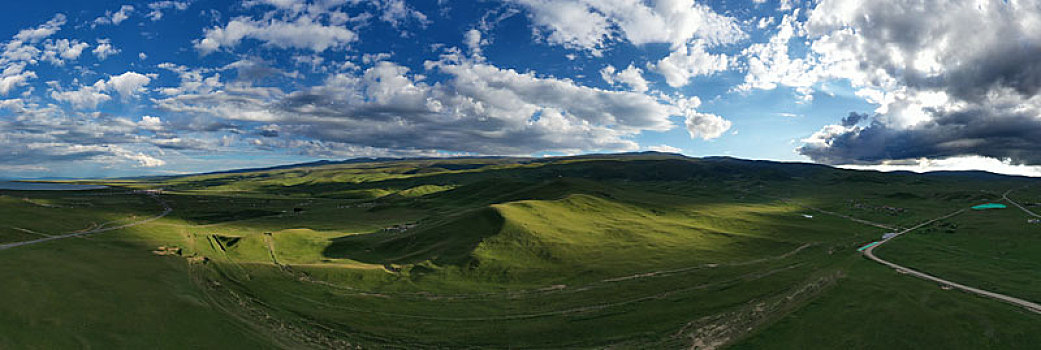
(46,186)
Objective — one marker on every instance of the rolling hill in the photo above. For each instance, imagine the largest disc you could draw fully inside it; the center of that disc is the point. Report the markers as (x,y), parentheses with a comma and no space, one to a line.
(640,250)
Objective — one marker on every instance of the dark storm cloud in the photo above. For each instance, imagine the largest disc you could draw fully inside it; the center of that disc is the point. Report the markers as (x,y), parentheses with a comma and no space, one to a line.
(963,81)
(854,118)
(1001,134)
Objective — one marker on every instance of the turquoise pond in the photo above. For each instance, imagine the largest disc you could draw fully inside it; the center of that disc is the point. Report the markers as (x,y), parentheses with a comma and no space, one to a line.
(989,206)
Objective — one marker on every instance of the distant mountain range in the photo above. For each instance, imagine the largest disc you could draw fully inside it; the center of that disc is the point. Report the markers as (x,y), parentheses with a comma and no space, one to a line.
(765,164)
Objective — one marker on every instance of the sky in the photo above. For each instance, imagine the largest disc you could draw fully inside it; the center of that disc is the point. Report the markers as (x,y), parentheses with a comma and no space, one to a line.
(108,89)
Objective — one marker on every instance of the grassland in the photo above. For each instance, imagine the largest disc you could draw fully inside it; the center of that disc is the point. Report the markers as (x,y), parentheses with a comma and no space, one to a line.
(623,251)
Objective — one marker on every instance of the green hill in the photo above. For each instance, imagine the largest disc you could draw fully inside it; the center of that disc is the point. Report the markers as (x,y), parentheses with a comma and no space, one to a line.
(643,250)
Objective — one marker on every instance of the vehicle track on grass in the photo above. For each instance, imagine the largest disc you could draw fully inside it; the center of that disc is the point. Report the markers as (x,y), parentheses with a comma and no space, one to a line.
(558,288)
(870,254)
(166,211)
(844,216)
(576,310)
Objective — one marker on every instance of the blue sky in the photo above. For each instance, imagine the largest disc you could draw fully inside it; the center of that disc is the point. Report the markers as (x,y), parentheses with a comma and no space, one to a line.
(93,89)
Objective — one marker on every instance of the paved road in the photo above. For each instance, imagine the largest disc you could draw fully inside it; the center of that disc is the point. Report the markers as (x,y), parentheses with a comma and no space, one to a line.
(870,254)
(166,211)
(1005,196)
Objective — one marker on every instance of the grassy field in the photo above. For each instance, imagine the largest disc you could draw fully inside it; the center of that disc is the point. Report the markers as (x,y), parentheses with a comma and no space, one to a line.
(997,250)
(618,251)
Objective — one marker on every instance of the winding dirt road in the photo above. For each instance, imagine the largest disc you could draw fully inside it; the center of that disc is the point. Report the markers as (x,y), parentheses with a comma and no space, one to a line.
(166,211)
(870,254)
(1005,196)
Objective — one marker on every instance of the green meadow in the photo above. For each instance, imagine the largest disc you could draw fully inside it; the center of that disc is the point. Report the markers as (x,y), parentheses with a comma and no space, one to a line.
(632,251)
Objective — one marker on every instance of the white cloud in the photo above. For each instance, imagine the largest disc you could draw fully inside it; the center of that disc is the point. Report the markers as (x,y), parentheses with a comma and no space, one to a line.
(150,123)
(117,17)
(142,159)
(687,62)
(570,24)
(128,84)
(104,49)
(157,8)
(472,40)
(21,51)
(706,126)
(480,108)
(591,24)
(193,80)
(962,163)
(665,148)
(769,64)
(57,51)
(303,33)
(87,97)
(631,76)
(33,35)
(14,75)
(396,12)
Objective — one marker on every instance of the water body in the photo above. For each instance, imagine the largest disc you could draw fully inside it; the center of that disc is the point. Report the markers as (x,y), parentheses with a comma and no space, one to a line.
(989,206)
(46,186)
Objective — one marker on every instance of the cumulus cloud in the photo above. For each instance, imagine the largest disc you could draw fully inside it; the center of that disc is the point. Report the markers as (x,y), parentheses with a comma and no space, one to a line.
(590,24)
(14,75)
(104,49)
(44,135)
(41,32)
(687,62)
(706,126)
(472,40)
(397,12)
(664,148)
(22,51)
(922,165)
(952,83)
(769,64)
(479,108)
(85,97)
(193,80)
(302,33)
(157,8)
(631,76)
(58,51)
(150,123)
(117,17)
(128,84)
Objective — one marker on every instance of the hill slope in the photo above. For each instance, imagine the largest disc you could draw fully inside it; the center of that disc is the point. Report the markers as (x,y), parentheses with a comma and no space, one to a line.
(626,251)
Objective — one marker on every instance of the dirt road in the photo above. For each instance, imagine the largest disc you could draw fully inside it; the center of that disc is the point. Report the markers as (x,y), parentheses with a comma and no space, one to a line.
(166,211)
(1024,209)
(870,254)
